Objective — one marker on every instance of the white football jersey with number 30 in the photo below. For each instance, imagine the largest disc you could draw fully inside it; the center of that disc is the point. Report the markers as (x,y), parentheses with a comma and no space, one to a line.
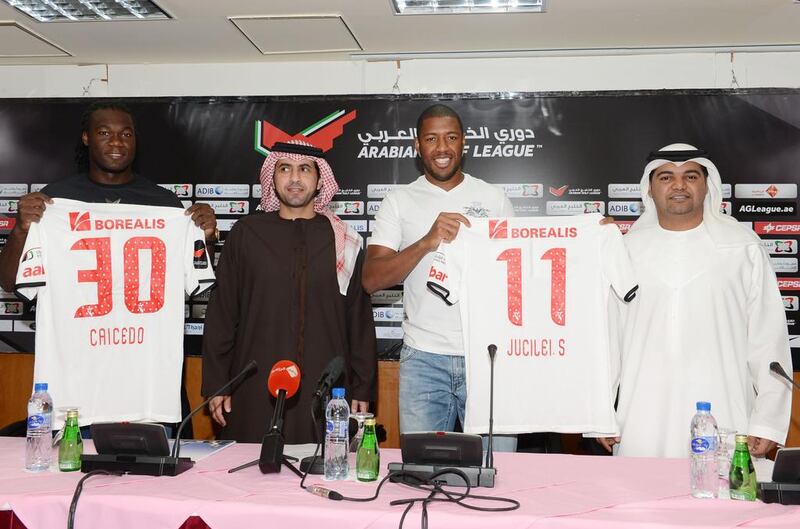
(110,282)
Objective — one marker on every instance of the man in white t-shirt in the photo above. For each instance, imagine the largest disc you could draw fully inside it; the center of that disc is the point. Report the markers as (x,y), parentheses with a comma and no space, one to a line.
(412,222)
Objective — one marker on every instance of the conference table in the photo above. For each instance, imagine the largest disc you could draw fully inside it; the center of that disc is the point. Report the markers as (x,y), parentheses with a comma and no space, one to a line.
(554,491)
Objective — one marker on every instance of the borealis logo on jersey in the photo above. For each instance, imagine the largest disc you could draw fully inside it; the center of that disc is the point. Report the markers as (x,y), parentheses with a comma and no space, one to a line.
(82,221)
(498,229)
(320,134)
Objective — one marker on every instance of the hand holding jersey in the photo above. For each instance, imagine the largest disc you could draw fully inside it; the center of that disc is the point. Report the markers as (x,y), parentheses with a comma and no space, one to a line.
(444,229)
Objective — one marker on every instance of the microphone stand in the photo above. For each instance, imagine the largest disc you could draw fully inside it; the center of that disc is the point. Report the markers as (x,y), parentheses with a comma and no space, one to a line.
(489,445)
(319,402)
(272,457)
(316,464)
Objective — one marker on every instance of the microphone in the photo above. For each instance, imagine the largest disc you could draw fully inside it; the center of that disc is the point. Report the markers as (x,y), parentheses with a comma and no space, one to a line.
(283,383)
(489,445)
(776,368)
(329,376)
(157,465)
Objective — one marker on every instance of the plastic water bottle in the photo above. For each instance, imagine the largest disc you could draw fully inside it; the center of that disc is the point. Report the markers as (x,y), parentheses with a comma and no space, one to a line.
(337,415)
(705,440)
(39,444)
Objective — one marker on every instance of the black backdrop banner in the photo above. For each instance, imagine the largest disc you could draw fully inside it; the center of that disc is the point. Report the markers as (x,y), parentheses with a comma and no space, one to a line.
(553,153)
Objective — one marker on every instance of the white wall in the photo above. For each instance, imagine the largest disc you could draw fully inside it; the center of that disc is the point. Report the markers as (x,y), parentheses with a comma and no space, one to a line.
(533,74)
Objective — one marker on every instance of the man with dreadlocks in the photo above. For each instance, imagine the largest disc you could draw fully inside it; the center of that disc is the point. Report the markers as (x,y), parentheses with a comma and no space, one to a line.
(289,287)
(707,323)
(105,155)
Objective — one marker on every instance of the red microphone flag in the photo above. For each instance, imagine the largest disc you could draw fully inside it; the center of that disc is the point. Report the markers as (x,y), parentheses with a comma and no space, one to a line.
(285,375)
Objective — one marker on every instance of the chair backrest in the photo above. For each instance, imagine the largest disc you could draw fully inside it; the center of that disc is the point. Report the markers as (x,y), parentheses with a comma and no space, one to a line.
(15,429)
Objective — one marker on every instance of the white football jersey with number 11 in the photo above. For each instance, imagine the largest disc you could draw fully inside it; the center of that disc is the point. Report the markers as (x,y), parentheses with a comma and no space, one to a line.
(110,282)
(537,288)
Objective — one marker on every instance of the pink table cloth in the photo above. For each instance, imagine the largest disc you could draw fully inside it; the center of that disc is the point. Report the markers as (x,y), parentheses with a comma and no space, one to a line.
(555,491)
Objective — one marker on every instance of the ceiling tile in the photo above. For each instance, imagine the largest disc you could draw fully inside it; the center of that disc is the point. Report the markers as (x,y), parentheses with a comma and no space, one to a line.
(18,41)
(297,34)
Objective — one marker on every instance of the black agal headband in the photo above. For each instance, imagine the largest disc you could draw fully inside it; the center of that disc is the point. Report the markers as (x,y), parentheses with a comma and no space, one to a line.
(296,148)
(677,156)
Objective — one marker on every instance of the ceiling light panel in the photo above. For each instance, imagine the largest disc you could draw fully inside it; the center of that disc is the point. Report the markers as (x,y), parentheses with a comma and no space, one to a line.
(88,10)
(449,7)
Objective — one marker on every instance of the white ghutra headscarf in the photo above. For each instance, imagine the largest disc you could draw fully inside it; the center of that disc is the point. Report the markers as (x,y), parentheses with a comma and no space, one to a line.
(724,230)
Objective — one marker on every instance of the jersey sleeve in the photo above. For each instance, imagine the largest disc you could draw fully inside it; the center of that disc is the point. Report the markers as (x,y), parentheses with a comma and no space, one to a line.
(31,273)
(444,274)
(198,273)
(387,230)
(616,264)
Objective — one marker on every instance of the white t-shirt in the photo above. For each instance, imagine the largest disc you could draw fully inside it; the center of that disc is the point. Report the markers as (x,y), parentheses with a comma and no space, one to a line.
(406,215)
(110,282)
(538,289)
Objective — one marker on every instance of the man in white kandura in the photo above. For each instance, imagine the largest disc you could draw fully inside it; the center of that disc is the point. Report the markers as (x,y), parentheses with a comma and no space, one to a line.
(707,322)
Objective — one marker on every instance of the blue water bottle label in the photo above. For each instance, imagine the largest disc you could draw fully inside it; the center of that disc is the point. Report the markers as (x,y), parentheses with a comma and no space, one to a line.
(35,422)
(701,445)
(329,426)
